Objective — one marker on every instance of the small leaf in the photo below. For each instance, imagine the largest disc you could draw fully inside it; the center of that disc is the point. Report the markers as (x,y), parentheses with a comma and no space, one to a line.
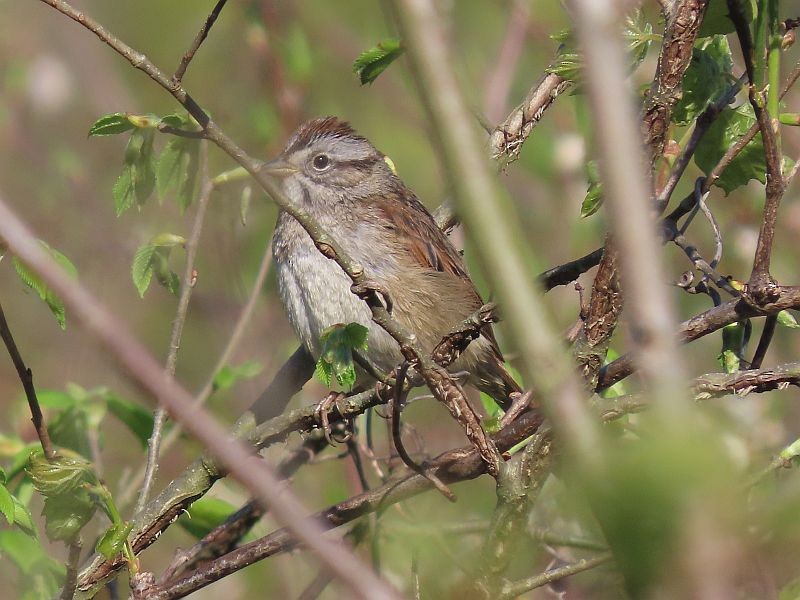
(204,515)
(33,281)
(228,375)
(188,188)
(717,20)
(594,194)
(142,268)
(123,192)
(135,417)
(23,519)
(173,162)
(787,319)
(733,337)
(707,78)
(112,541)
(336,357)
(59,476)
(726,130)
(66,514)
(639,35)
(374,61)
(6,504)
(70,429)
(111,125)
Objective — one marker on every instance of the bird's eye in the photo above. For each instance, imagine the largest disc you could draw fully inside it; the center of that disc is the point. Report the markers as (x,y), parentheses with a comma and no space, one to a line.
(321,162)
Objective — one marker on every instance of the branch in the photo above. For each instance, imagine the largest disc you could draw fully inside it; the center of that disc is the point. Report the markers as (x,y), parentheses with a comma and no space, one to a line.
(569,272)
(187,287)
(517,588)
(482,206)
(703,324)
(452,466)
(26,377)
(627,188)
(144,370)
(199,38)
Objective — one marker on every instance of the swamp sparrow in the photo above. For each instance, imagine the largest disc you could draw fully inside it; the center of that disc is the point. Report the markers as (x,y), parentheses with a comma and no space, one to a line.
(346,184)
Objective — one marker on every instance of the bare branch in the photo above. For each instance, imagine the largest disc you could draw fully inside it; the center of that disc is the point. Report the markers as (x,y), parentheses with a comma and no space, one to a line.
(198,40)
(512,590)
(26,377)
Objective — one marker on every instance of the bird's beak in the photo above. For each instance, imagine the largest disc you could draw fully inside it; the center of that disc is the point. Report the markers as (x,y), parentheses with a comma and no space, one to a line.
(279,167)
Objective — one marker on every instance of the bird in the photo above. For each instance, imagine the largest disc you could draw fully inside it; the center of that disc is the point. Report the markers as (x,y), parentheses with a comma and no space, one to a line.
(353,192)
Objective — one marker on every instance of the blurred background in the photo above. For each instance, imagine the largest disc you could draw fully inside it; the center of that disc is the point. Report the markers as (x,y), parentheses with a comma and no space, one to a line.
(266,67)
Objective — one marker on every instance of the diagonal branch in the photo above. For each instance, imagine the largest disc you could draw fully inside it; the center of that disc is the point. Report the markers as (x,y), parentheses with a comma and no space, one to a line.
(198,40)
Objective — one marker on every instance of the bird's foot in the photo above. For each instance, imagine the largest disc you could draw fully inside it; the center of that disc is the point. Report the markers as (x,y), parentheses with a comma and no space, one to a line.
(322,416)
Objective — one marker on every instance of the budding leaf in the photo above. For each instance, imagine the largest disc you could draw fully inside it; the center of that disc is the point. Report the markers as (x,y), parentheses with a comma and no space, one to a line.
(177,168)
(374,61)
(594,194)
(6,504)
(61,475)
(733,342)
(111,542)
(153,259)
(336,358)
(787,319)
(33,281)
(111,125)
(67,514)
(138,177)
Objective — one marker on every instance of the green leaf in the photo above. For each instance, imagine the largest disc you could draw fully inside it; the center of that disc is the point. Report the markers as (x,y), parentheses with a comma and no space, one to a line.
(66,514)
(336,357)
(61,475)
(173,164)
(111,125)
(787,319)
(716,20)
(142,268)
(33,281)
(188,188)
(55,399)
(594,194)
(707,78)
(7,504)
(374,61)
(729,127)
(138,177)
(70,429)
(228,375)
(112,541)
(639,35)
(23,518)
(733,340)
(25,552)
(137,418)
(204,515)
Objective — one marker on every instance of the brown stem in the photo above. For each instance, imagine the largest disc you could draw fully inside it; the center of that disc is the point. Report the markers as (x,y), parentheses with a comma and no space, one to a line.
(26,377)
(198,40)
(764,341)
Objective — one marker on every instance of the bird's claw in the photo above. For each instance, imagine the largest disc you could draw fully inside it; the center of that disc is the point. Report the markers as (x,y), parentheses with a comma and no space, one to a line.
(321,415)
(365,289)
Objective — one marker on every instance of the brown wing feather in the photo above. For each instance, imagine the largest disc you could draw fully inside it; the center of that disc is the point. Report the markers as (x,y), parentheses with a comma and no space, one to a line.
(426,243)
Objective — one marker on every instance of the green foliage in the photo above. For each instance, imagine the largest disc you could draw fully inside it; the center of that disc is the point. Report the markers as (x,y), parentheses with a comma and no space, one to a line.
(33,281)
(138,177)
(594,194)
(787,319)
(43,576)
(336,359)
(734,341)
(374,61)
(638,34)
(111,125)
(136,417)
(716,20)
(204,515)
(112,542)
(178,165)
(153,259)
(297,53)
(726,130)
(708,77)
(228,375)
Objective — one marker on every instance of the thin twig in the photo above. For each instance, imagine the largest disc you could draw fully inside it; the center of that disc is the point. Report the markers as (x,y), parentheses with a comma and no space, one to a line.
(198,40)
(253,473)
(569,272)
(187,287)
(26,377)
(73,560)
(764,341)
(516,588)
